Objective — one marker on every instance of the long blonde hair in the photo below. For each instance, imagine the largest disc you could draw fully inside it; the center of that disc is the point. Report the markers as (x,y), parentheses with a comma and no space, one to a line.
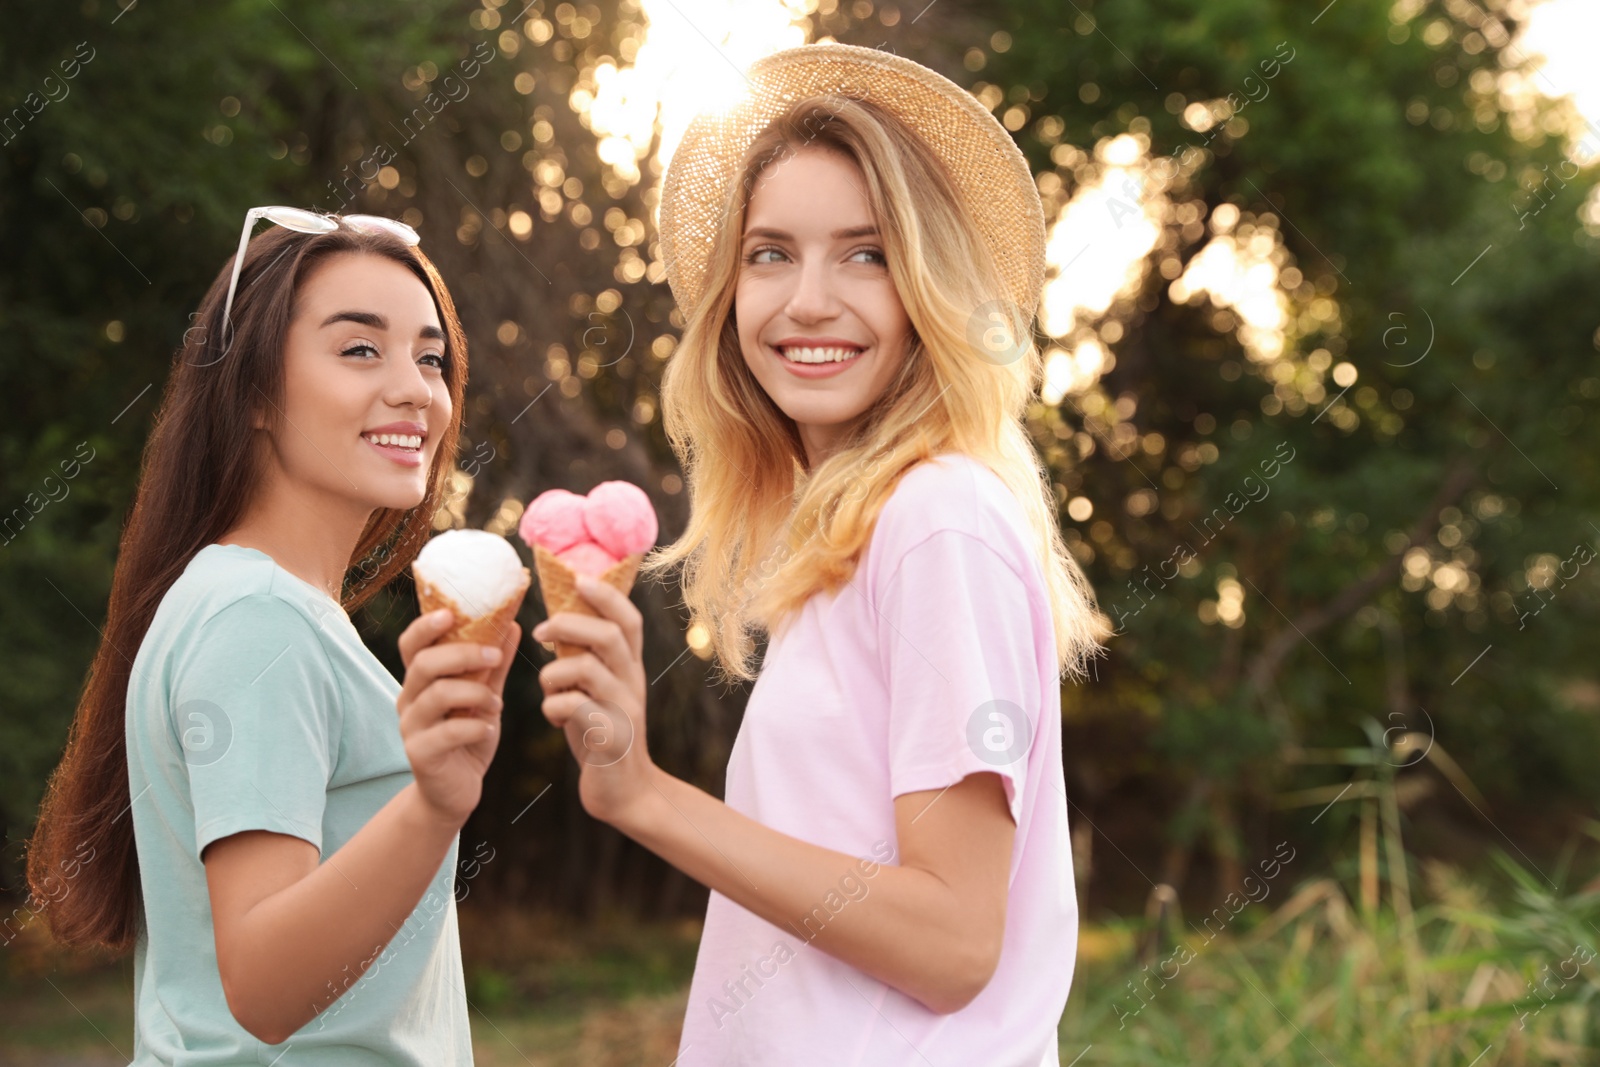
(764,532)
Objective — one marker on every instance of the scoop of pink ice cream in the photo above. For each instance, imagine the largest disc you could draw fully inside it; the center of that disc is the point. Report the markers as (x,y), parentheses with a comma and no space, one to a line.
(554,521)
(586,557)
(620,518)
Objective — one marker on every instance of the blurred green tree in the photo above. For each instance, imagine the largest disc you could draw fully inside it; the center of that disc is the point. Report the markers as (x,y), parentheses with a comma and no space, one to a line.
(1362,516)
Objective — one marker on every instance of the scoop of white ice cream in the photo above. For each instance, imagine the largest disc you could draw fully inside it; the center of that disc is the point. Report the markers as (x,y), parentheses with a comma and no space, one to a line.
(475,568)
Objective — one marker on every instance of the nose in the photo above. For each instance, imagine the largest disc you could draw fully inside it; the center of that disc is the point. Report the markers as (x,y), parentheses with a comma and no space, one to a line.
(407,387)
(813,298)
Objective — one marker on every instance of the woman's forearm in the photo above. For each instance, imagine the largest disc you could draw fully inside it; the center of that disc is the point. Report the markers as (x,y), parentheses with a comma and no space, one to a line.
(901,925)
(296,951)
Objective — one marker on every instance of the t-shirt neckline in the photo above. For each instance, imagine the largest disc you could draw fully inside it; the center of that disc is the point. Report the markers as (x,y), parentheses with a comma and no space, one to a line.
(290,574)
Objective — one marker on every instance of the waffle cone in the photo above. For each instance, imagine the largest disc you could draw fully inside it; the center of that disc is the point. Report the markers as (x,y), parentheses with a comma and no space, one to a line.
(487,629)
(558,586)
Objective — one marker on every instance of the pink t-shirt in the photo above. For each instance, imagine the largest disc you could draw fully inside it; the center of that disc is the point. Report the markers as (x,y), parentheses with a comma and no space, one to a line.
(936,661)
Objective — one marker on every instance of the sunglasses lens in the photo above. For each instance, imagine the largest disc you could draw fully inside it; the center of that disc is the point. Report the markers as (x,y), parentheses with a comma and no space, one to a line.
(299,219)
(374,223)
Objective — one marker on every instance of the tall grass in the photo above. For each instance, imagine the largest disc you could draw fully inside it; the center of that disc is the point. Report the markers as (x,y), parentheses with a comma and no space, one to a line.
(1358,976)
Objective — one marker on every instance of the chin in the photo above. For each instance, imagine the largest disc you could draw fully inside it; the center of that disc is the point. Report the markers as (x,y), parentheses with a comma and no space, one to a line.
(400,498)
(806,415)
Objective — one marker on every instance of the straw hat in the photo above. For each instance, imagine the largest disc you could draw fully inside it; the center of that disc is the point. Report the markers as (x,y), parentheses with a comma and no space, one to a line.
(989,171)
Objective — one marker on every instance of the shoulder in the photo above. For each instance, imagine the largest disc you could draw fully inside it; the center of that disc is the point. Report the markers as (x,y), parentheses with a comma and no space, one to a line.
(951,491)
(957,498)
(229,598)
(245,583)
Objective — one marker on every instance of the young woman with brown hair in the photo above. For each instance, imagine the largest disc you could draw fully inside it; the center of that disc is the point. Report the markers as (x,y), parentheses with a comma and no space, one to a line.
(237,801)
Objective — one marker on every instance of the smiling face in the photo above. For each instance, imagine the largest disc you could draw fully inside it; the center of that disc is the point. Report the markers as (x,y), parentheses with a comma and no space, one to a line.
(365,398)
(820,323)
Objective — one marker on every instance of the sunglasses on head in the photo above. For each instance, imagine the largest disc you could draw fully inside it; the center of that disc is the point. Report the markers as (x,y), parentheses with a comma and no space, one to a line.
(304,221)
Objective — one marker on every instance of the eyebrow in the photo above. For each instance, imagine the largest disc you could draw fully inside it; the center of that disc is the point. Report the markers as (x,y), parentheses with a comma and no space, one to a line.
(378,322)
(784,235)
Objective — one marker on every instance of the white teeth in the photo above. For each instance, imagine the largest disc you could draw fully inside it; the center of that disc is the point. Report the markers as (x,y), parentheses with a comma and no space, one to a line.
(395,440)
(819,355)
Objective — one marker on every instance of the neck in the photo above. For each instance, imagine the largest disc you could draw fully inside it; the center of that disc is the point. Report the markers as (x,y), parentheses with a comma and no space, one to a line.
(307,531)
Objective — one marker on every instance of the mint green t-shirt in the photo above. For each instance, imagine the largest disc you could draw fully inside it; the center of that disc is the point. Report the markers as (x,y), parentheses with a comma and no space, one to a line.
(254,705)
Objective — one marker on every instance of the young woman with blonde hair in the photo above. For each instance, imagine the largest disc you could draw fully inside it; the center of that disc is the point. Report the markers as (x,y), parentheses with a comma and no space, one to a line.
(891,873)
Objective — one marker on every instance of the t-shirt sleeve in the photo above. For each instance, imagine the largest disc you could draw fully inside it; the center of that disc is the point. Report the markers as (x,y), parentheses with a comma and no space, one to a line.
(254,706)
(958,649)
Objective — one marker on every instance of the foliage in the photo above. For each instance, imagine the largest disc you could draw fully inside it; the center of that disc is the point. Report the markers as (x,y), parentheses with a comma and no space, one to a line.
(1432,402)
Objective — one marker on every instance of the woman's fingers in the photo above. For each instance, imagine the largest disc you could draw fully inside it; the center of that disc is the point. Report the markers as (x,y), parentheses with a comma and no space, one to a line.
(423,631)
(598,732)
(508,652)
(557,711)
(431,705)
(604,639)
(612,603)
(438,661)
(585,674)
(560,707)
(507,641)
(440,738)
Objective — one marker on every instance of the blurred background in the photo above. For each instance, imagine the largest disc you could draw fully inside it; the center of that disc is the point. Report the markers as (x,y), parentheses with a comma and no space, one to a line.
(1321,335)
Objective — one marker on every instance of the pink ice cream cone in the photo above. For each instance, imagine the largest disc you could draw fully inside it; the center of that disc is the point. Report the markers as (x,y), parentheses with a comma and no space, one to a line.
(586,557)
(619,518)
(604,535)
(554,520)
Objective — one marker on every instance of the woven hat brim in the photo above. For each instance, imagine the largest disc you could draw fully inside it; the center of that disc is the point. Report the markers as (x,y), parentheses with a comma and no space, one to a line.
(989,171)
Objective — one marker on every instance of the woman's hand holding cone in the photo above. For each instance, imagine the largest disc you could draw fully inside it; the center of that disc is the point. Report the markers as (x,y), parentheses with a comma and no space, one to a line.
(597,696)
(450,755)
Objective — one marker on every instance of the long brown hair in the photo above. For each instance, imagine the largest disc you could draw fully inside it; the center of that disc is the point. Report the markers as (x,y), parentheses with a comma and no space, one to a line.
(199,472)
